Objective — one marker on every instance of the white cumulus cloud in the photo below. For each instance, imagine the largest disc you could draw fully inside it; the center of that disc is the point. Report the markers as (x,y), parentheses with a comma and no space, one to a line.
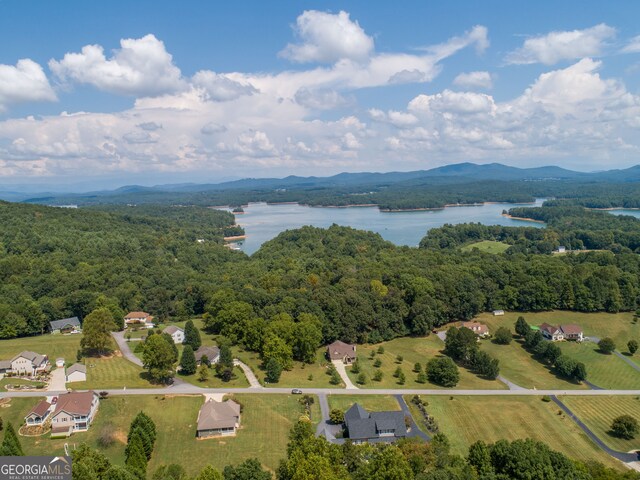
(141,67)
(474,80)
(327,38)
(24,82)
(564,45)
(220,87)
(632,46)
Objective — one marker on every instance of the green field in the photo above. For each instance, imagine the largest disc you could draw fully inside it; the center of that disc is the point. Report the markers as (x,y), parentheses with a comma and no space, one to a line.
(467,419)
(606,371)
(266,421)
(111,372)
(55,346)
(598,413)
(214,382)
(373,403)
(297,377)
(413,350)
(488,246)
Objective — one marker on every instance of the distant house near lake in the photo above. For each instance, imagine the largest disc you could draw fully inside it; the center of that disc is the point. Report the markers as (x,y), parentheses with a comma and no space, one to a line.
(218,419)
(363,426)
(480,329)
(66,325)
(176,333)
(342,351)
(562,332)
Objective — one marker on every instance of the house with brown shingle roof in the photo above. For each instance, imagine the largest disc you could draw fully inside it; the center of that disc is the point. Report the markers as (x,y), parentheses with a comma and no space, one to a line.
(342,351)
(74,412)
(139,318)
(551,332)
(572,331)
(480,329)
(38,414)
(218,419)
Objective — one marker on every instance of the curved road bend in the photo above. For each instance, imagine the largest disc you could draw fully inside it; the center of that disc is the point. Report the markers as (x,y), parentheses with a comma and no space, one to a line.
(622,456)
(123,345)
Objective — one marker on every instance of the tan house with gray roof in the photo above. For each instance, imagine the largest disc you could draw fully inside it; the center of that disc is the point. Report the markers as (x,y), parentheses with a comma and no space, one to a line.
(218,419)
(29,363)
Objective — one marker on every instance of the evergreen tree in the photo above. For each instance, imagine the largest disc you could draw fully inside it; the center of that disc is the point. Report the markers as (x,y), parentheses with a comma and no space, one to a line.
(188,363)
(135,457)
(522,327)
(203,373)
(145,422)
(115,472)
(273,370)
(209,473)
(226,357)
(10,444)
(191,335)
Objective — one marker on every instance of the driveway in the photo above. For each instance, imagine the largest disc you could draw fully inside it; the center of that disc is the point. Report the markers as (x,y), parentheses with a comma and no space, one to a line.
(57,381)
(251,377)
(123,346)
(343,374)
(415,430)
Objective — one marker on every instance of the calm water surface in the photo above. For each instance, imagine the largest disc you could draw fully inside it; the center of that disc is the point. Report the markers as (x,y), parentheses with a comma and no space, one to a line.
(263,222)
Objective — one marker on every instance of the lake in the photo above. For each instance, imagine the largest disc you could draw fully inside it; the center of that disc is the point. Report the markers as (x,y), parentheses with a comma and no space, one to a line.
(263,222)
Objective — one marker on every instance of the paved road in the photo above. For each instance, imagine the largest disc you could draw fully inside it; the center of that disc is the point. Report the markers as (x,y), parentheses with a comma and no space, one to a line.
(123,345)
(622,456)
(415,430)
(251,377)
(343,374)
(187,388)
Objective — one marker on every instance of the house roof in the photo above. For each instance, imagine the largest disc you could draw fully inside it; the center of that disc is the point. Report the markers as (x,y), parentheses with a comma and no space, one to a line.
(171,329)
(5,364)
(571,329)
(364,425)
(77,367)
(35,358)
(550,329)
(210,352)
(214,415)
(137,315)
(338,350)
(75,403)
(40,409)
(477,327)
(59,324)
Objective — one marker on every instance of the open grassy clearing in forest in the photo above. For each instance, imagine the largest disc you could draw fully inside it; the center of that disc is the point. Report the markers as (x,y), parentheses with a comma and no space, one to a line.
(372,403)
(467,419)
(598,413)
(265,424)
(606,371)
(488,246)
(55,346)
(300,376)
(413,350)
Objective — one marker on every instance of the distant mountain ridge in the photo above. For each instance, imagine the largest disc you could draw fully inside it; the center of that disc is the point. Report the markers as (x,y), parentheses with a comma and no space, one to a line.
(455,173)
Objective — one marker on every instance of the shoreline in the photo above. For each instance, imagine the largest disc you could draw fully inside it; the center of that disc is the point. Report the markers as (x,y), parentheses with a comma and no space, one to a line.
(524,219)
(234,238)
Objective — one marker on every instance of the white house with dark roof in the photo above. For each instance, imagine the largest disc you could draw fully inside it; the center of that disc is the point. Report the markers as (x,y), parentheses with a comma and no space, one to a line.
(38,414)
(76,373)
(66,325)
(568,331)
(373,427)
(218,419)
(176,333)
(29,363)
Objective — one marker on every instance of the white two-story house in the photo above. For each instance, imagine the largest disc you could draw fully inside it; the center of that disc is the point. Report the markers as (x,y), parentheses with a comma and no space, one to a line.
(29,363)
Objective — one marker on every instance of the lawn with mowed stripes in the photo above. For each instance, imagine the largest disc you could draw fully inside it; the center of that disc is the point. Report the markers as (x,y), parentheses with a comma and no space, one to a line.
(112,372)
(605,371)
(598,413)
(467,419)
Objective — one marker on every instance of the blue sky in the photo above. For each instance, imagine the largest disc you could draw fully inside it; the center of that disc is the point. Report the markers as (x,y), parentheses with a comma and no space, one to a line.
(147,92)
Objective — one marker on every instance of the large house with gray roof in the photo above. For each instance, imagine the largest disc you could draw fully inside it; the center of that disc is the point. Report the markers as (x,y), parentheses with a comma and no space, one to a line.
(218,419)
(66,325)
(363,426)
(29,363)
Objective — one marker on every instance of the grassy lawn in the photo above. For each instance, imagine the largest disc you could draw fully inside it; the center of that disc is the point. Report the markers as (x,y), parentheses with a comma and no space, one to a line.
(111,372)
(17,381)
(214,382)
(266,421)
(467,419)
(373,403)
(488,246)
(302,375)
(413,350)
(520,367)
(598,413)
(605,371)
(65,346)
